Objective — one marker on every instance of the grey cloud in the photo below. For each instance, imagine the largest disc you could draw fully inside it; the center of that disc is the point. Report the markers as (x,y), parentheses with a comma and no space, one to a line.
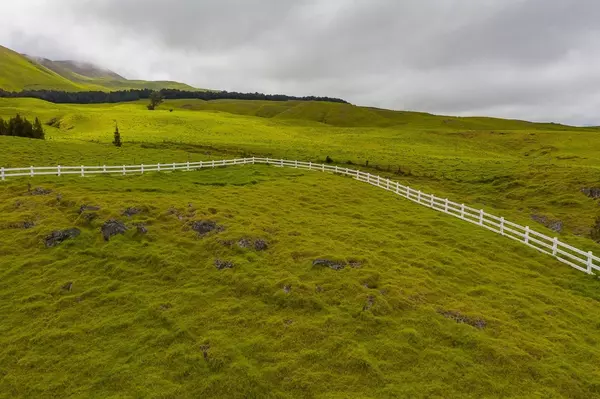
(532,59)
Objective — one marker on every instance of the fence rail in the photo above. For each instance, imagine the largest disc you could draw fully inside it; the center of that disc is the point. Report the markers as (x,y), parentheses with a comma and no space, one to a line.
(584,261)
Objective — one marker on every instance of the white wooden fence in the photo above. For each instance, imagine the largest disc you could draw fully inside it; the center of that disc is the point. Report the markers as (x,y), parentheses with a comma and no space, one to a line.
(574,257)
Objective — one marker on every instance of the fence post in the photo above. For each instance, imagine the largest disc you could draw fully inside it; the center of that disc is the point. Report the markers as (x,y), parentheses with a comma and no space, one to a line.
(481,213)
(419,196)
(31,171)
(462,211)
(388,184)
(397,188)
(2,173)
(213,163)
(526,234)
(158,166)
(188,166)
(555,246)
(378,180)
(336,169)
(267,160)
(82,171)
(323,167)
(173,167)
(58,170)
(104,169)
(281,162)
(589,263)
(357,174)
(124,170)
(502,225)
(432,200)
(296,164)
(142,168)
(309,165)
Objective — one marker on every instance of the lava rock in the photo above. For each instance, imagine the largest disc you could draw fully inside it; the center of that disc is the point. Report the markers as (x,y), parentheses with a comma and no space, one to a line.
(112,228)
(223,264)
(203,227)
(592,192)
(244,243)
(56,237)
(40,191)
(460,318)
(555,225)
(88,208)
(129,212)
(329,263)
(261,245)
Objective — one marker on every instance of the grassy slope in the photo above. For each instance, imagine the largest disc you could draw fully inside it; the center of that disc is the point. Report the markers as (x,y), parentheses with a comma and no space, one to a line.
(17,72)
(143,310)
(517,169)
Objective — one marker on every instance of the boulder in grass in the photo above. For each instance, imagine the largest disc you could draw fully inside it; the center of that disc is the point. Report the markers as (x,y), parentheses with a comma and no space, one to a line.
(56,237)
(223,264)
(260,245)
(129,212)
(112,228)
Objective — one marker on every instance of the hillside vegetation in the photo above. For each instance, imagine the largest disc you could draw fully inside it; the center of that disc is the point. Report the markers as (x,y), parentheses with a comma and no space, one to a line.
(19,72)
(416,303)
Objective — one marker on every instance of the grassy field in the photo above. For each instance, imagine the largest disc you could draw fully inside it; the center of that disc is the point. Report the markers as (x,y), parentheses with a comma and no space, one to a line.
(426,305)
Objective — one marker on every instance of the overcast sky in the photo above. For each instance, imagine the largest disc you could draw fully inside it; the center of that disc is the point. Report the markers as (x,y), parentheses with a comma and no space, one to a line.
(529,59)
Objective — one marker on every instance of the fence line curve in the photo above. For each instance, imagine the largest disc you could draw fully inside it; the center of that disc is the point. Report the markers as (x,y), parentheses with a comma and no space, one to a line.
(584,261)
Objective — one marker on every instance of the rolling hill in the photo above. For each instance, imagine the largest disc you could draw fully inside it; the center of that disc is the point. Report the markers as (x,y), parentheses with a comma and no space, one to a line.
(24,72)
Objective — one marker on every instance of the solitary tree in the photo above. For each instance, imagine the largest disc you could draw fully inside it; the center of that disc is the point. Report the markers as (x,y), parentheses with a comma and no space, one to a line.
(117,140)
(156,98)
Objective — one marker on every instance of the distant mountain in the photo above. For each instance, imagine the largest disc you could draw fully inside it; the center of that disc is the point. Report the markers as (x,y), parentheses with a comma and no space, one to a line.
(75,70)
(26,72)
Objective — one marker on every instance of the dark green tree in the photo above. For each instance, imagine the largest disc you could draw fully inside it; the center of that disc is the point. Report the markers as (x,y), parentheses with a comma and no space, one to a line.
(156,98)
(3,127)
(38,130)
(117,141)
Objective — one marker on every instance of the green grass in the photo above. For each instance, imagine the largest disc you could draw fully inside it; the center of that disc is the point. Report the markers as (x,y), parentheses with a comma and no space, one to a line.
(151,316)
(17,73)
(143,309)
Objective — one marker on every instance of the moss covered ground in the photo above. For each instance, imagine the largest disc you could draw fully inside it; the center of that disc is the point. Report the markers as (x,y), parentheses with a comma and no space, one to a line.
(426,305)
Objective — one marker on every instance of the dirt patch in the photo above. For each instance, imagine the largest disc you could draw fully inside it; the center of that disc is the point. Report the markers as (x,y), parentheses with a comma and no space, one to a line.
(112,228)
(460,318)
(56,237)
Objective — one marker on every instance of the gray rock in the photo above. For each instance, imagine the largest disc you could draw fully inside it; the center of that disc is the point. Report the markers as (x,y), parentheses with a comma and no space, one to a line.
(460,318)
(129,212)
(555,225)
(112,228)
(141,229)
(287,289)
(88,208)
(40,191)
(223,264)
(261,245)
(203,227)
(329,263)
(592,192)
(56,237)
(244,243)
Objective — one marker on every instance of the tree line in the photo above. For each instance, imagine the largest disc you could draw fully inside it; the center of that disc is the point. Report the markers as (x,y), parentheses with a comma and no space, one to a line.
(21,127)
(98,97)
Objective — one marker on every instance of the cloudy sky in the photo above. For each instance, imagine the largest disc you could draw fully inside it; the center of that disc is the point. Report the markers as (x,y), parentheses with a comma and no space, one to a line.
(529,59)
